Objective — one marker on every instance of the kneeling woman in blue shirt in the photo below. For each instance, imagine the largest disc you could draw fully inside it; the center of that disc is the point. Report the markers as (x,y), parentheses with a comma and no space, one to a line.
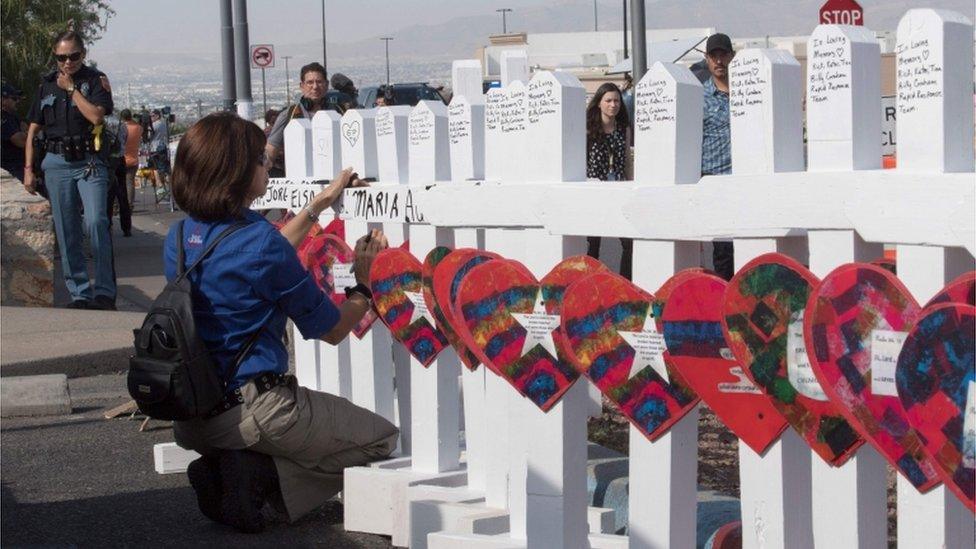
(270,440)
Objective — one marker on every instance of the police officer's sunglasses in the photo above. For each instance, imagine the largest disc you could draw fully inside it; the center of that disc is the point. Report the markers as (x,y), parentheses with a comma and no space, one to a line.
(72,56)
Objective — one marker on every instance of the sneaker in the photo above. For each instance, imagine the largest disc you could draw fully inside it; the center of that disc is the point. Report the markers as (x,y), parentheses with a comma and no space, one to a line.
(247,480)
(79,304)
(102,303)
(204,475)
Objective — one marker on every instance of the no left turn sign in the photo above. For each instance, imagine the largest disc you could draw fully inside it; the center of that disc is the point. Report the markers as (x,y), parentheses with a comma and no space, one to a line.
(262,56)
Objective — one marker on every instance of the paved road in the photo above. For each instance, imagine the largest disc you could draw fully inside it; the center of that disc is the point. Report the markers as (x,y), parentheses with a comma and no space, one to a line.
(84,481)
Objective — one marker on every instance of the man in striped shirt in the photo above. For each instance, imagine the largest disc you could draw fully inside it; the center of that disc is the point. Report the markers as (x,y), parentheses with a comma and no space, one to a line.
(716,141)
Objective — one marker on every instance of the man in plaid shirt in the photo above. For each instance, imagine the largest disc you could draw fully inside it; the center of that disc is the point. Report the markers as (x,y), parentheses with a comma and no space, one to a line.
(716,142)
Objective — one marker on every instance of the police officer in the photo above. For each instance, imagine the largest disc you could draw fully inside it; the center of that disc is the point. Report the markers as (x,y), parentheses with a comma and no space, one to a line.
(70,106)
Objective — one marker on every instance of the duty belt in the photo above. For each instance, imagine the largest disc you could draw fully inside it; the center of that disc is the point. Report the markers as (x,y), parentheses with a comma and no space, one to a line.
(263,383)
(57,146)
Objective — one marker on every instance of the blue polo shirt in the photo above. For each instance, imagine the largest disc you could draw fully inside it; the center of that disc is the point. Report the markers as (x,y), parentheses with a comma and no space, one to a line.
(253,278)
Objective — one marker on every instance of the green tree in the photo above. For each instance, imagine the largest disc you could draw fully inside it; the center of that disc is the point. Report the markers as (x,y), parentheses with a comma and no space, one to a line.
(29,27)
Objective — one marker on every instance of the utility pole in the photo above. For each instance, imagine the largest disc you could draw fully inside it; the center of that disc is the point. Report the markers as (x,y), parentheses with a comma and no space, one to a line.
(625,29)
(264,92)
(504,21)
(639,34)
(594,17)
(229,91)
(386,40)
(242,47)
(287,87)
(325,57)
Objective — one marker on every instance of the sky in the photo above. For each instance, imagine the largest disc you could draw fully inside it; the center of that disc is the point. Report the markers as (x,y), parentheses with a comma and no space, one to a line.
(193,26)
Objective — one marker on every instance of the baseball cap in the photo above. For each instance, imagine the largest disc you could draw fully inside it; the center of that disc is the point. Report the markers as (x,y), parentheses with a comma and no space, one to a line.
(10,91)
(718,41)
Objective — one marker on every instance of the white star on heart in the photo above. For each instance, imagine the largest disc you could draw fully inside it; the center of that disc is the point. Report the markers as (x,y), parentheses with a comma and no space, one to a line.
(419,308)
(648,345)
(538,327)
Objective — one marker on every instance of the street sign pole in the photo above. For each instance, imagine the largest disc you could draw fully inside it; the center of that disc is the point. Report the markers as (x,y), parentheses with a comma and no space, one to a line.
(264,92)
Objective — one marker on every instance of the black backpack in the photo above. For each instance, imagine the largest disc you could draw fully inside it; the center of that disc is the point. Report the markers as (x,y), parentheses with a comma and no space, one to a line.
(172,375)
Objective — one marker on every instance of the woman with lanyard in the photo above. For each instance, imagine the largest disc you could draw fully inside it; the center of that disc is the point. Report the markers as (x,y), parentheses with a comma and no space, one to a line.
(70,107)
(269,440)
(608,140)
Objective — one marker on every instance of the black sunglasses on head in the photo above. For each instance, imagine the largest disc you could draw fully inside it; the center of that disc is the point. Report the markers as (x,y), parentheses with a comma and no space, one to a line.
(72,56)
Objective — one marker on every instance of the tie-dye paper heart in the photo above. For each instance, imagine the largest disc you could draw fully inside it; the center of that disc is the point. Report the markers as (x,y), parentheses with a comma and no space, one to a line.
(763,325)
(961,290)
(692,327)
(854,323)
(395,279)
(937,387)
(596,310)
(487,301)
(447,275)
(320,256)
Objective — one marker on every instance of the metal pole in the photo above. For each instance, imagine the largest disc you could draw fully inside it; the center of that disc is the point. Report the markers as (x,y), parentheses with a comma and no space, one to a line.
(287,87)
(386,40)
(325,57)
(242,50)
(199,109)
(229,92)
(639,34)
(504,11)
(594,17)
(625,29)
(264,92)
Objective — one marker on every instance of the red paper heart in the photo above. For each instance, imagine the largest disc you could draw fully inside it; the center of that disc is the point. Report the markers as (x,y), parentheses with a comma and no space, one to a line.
(447,275)
(496,302)
(395,280)
(762,307)
(937,388)
(604,318)
(322,256)
(692,328)
(960,290)
(852,306)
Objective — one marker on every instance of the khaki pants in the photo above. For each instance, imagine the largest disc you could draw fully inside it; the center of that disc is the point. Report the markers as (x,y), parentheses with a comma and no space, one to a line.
(312,437)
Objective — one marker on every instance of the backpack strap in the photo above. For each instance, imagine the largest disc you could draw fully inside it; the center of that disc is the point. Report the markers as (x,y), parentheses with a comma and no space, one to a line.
(181,256)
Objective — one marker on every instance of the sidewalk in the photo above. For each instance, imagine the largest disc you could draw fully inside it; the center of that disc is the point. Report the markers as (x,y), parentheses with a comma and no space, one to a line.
(38,340)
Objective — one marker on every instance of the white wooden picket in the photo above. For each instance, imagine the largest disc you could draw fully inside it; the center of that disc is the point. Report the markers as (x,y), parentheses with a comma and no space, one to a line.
(505,172)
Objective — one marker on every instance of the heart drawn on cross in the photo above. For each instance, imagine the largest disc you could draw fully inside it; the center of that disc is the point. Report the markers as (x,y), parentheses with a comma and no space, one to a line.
(442,275)
(330,261)
(609,325)
(854,325)
(512,328)
(396,282)
(350,132)
(937,388)
(763,325)
(692,326)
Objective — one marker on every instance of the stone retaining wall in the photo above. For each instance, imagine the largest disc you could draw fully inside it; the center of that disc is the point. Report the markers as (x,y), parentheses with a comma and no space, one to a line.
(27,246)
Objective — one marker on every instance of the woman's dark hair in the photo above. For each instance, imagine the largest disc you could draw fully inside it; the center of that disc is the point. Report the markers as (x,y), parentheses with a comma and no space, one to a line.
(594,123)
(313,67)
(214,167)
(70,36)
(270,116)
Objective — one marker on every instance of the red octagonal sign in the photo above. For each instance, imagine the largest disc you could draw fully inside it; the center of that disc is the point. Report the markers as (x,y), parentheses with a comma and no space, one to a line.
(841,12)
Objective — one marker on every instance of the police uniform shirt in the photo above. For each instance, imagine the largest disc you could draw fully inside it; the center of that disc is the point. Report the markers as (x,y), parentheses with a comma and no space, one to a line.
(61,117)
(11,156)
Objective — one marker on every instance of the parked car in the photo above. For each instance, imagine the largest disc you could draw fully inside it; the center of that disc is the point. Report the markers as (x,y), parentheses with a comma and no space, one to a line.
(408,93)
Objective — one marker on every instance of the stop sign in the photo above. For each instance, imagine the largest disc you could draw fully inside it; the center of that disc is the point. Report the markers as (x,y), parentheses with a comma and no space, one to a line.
(841,12)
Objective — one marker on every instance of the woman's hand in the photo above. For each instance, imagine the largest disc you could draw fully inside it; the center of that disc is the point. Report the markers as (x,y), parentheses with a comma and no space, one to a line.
(332,192)
(65,81)
(30,182)
(366,249)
